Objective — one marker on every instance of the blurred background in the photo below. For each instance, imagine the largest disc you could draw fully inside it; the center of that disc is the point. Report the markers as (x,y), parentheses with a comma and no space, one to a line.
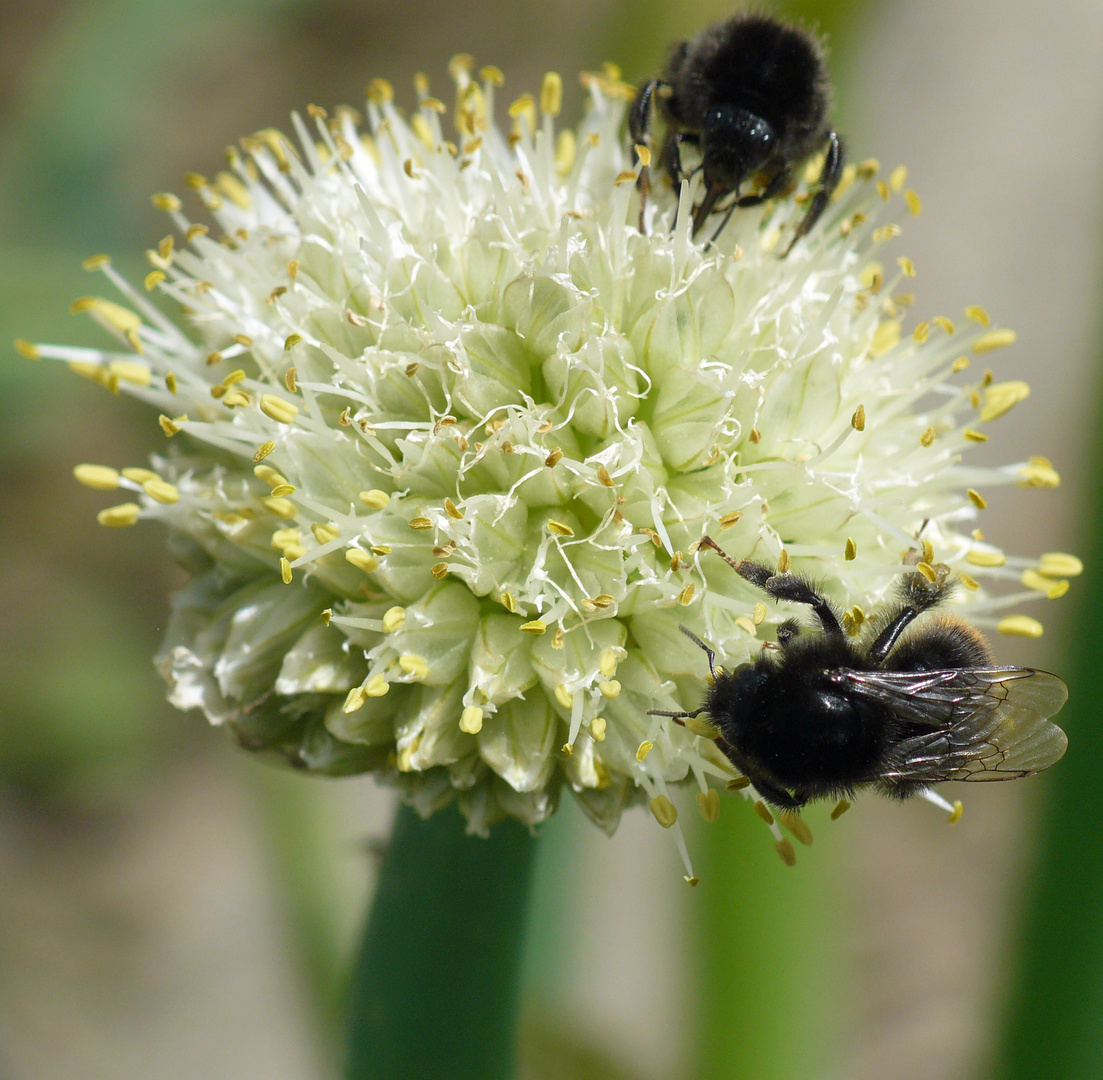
(171,908)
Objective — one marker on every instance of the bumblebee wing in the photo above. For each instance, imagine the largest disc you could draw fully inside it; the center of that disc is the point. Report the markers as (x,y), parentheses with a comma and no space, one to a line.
(985,723)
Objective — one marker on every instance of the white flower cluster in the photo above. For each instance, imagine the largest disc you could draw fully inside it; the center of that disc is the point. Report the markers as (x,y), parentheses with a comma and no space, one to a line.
(444,426)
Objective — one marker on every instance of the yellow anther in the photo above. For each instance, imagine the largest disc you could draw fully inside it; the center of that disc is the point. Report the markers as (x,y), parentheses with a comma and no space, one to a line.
(886,232)
(276,408)
(975,313)
(695,725)
(976,498)
(362,560)
(994,339)
(537,626)
(871,276)
(118,517)
(559,529)
(796,825)
(558,638)
(1054,589)
(921,332)
(868,168)
(267,475)
(597,728)
(754,435)
(1000,398)
(153,279)
(685,597)
(728,520)
(985,557)
(914,203)
(493,75)
(1020,626)
(234,190)
(170,382)
(944,323)
(471,720)
(564,696)
(644,749)
(292,268)
(380,91)
(551,94)
(522,106)
(509,602)
(439,570)
(927,571)
(907,267)
(897,178)
(327,614)
(738,783)
(969,582)
(285,570)
(928,552)
(763,811)
(603,600)
(850,552)
(96,262)
(608,662)
(414,665)
(166,201)
(100,477)
(326,533)
(376,686)
(354,700)
(139,475)
(692,880)
(131,372)
(885,337)
(664,810)
(289,380)
(955,814)
(381,549)
(161,491)
(603,477)
(235,399)
(283,508)
(784,562)
(610,689)
(841,807)
(393,619)
(451,510)
(758,614)
(420,523)
(708,803)
(1038,472)
(927,438)
(784,848)
(974,436)
(1059,564)
(374,499)
(27,349)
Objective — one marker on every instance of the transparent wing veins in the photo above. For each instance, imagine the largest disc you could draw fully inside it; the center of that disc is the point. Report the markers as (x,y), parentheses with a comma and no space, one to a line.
(985,723)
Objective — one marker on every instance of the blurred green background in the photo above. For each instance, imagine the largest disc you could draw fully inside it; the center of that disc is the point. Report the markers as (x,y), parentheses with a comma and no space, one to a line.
(171,908)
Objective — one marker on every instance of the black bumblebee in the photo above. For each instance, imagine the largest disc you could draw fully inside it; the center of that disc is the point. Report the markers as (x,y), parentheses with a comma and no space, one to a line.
(752,95)
(825,715)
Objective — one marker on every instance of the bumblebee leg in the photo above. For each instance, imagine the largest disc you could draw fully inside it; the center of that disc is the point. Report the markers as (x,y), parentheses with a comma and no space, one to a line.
(639,131)
(782,587)
(829,180)
(917,595)
(677,717)
(701,645)
(775,795)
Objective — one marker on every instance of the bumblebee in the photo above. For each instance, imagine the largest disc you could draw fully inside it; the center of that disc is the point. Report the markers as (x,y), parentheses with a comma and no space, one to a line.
(822,715)
(751,96)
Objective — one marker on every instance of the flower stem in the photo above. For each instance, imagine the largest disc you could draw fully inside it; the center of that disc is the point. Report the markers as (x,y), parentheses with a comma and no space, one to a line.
(434,993)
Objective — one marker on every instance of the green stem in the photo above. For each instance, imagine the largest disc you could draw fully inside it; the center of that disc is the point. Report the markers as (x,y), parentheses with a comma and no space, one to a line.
(434,993)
